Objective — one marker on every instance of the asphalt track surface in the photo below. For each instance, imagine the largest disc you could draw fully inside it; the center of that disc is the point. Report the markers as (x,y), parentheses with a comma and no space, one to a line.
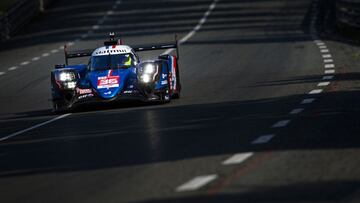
(253,90)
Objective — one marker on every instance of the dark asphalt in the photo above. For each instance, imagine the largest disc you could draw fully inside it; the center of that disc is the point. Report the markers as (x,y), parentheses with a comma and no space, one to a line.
(250,64)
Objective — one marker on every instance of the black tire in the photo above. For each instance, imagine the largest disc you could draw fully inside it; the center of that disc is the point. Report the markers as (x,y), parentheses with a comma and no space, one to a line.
(60,107)
(165,96)
(175,96)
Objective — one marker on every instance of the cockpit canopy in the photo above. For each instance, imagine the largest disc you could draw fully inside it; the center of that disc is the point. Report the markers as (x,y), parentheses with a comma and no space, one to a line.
(116,61)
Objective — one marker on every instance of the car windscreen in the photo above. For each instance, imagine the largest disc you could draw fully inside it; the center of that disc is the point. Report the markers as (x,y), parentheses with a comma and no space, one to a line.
(107,62)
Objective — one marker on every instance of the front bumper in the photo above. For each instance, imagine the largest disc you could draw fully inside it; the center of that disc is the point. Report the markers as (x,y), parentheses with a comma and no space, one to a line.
(72,99)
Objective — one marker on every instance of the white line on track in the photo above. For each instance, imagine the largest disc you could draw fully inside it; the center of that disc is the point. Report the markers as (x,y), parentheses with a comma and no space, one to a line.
(296,111)
(237,158)
(35,58)
(328,77)
(2,73)
(316,91)
(323,47)
(327,56)
(329,71)
(322,84)
(196,183)
(308,101)
(24,63)
(263,139)
(329,66)
(54,51)
(320,43)
(12,68)
(196,28)
(281,124)
(34,127)
(328,61)
(324,51)
(45,55)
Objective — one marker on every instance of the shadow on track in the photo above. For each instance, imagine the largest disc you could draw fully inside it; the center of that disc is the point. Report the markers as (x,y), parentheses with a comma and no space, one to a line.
(128,137)
(326,191)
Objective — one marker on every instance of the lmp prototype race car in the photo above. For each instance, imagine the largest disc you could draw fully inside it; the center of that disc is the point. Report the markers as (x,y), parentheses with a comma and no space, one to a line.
(114,72)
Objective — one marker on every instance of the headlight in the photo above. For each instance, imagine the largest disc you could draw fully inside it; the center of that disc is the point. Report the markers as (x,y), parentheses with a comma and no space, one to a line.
(70,85)
(147,72)
(146,78)
(67,76)
(149,69)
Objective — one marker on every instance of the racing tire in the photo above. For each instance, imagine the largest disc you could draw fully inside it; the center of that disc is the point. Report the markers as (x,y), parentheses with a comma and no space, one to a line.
(165,96)
(175,96)
(59,107)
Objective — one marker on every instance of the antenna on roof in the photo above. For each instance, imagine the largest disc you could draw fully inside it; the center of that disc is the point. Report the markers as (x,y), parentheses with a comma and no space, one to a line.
(112,40)
(112,36)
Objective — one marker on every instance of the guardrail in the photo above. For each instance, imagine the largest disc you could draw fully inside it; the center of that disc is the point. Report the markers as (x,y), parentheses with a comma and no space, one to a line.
(16,17)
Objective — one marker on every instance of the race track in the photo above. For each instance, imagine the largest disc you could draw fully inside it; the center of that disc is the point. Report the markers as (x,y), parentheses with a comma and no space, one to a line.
(268,112)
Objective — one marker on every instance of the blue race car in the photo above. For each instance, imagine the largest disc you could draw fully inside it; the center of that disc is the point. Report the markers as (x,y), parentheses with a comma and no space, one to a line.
(114,72)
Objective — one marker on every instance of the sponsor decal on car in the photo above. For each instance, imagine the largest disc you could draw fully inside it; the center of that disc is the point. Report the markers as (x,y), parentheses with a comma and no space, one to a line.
(173,74)
(83,91)
(164,82)
(108,81)
(85,96)
(128,91)
(107,93)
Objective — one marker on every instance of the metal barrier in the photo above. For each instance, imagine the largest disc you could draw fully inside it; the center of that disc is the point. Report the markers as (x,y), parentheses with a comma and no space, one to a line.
(19,15)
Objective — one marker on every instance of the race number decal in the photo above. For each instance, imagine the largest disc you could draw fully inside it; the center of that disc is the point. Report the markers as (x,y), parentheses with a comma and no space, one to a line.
(108,82)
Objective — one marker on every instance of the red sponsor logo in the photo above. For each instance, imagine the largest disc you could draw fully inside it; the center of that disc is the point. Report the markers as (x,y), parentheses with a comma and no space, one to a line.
(84,91)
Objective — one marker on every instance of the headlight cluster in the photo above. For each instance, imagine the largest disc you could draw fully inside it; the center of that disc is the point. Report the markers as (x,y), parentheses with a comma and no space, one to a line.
(68,79)
(147,72)
(70,85)
(67,76)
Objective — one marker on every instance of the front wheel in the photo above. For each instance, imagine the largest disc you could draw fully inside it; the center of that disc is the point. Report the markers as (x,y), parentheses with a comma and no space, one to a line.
(60,107)
(165,96)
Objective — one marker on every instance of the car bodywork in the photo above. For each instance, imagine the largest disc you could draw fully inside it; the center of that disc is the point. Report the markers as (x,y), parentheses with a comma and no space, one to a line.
(106,79)
(348,13)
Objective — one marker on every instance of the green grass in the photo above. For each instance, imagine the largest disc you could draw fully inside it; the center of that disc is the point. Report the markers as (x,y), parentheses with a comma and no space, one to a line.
(6,4)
